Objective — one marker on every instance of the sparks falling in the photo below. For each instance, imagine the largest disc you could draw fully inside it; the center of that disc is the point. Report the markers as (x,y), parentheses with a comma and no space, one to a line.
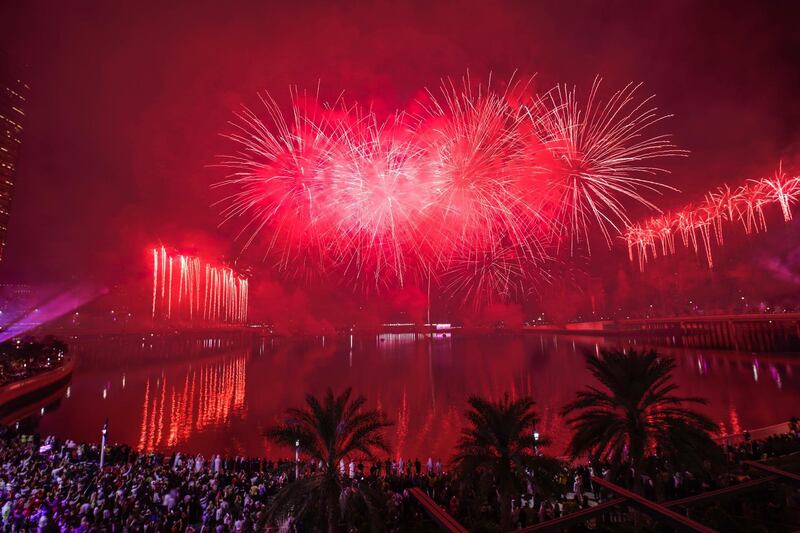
(701,226)
(202,292)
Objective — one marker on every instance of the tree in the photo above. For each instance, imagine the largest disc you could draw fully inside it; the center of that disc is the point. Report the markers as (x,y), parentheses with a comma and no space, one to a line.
(498,446)
(328,430)
(634,410)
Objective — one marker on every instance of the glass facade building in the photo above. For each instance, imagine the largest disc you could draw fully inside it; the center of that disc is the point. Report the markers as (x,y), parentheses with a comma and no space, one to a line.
(13,99)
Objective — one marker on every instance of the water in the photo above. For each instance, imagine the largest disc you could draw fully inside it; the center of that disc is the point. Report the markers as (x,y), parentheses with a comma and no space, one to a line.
(217,394)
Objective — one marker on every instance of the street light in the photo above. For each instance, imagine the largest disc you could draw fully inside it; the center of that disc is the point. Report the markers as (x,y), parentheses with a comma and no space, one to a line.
(297,459)
(536,442)
(103,444)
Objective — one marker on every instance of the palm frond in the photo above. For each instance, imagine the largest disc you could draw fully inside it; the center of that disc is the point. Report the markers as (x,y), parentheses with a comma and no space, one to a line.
(634,406)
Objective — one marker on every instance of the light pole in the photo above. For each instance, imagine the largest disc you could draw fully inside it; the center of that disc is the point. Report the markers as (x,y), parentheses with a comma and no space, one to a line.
(297,459)
(535,442)
(103,444)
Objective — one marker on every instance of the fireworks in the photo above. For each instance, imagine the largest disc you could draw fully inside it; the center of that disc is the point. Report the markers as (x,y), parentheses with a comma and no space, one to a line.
(696,224)
(496,274)
(598,155)
(202,292)
(477,189)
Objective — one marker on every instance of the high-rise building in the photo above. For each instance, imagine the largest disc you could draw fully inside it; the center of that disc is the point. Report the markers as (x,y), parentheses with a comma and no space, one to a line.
(13,96)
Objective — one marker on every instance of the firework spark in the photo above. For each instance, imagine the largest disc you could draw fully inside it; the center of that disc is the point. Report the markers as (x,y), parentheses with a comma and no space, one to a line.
(599,156)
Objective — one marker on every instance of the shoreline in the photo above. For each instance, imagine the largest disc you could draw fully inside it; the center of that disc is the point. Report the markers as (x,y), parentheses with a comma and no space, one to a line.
(17,398)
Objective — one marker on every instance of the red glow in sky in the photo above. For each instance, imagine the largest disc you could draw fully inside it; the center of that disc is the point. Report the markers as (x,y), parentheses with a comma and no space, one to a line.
(127,100)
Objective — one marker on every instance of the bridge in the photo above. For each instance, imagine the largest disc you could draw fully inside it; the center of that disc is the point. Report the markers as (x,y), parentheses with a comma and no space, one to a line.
(745,332)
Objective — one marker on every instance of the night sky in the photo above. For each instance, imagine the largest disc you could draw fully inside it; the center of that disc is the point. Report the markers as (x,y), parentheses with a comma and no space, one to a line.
(128,99)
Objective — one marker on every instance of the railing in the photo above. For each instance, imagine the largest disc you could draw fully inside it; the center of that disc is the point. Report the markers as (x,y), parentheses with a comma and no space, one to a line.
(439,515)
(661,511)
(755,434)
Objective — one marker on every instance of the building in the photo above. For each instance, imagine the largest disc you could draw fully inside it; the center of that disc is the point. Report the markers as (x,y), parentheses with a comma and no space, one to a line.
(13,99)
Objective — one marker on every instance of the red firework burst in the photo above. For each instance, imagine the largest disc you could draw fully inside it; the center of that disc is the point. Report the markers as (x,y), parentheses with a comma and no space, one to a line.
(480,182)
(597,156)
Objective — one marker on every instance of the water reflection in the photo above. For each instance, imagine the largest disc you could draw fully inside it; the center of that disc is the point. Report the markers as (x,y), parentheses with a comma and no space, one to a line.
(217,395)
(208,397)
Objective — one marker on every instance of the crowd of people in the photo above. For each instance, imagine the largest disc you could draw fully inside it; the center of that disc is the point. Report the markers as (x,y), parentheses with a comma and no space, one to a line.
(53,485)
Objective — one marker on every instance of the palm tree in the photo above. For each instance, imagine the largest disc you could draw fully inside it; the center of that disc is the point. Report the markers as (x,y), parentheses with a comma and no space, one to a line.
(635,409)
(499,447)
(329,430)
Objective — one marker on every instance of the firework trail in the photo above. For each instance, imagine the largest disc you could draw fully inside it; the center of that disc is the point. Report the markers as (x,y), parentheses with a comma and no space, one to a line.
(696,224)
(478,188)
(782,189)
(219,291)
